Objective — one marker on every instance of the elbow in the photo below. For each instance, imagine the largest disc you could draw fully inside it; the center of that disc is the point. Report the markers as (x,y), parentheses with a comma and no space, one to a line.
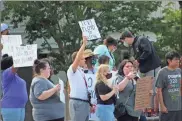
(103,97)
(41,97)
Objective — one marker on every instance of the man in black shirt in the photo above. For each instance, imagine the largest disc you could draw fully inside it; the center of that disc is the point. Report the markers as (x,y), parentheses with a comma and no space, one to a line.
(145,56)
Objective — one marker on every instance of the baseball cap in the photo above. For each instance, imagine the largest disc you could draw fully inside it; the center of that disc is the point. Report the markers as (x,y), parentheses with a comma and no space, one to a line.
(4,27)
(125,34)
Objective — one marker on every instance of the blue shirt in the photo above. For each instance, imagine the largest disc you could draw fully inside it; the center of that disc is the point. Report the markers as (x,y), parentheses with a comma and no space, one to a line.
(103,50)
(14,90)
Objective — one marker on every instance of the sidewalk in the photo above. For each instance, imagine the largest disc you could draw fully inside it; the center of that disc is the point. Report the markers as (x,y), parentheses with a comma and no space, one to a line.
(153,118)
(148,119)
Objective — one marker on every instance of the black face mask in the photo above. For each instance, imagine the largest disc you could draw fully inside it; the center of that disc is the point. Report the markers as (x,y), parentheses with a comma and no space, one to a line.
(109,75)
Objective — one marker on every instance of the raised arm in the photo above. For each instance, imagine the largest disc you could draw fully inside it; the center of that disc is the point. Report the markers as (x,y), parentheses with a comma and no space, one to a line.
(79,55)
(125,81)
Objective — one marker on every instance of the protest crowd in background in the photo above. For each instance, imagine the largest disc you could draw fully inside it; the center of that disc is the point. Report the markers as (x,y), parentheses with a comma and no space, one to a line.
(99,90)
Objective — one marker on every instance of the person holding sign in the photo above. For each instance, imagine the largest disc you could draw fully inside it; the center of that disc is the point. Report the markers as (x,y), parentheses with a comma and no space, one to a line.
(105,94)
(146,58)
(108,48)
(169,89)
(124,109)
(79,104)
(14,89)
(4,29)
(44,95)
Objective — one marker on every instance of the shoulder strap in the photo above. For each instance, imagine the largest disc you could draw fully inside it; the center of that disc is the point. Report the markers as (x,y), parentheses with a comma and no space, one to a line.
(130,93)
(84,78)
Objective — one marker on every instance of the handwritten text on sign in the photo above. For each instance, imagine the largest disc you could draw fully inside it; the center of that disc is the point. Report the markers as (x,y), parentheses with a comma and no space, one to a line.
(24,55)
(11,40)
(91,81)
(89,29)
(143,97)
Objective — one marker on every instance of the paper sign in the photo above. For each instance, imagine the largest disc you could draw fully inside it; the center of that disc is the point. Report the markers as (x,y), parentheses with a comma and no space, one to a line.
(24,55)
(143,96)
(89,29)
(62,96)
(11,40)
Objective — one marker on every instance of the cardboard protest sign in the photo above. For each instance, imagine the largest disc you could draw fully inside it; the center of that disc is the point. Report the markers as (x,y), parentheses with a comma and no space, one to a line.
(89,29)
(8,41)
(24,55)
(143,96)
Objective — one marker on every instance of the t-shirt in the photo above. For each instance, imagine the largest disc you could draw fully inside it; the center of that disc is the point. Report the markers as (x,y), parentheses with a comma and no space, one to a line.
(90,71)
(102,89)
(130,89)
(76,80)
(103,50)
(14,90)
(48,109)
(169,81)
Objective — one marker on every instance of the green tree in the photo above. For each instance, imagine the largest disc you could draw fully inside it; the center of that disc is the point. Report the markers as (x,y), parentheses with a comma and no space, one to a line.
(59,20)
(168,31)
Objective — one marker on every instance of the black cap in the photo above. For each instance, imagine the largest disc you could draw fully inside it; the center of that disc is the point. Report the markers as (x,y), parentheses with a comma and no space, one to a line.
(126,34)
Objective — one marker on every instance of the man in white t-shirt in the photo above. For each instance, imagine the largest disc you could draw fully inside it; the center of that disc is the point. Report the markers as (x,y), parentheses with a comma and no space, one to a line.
(79,103)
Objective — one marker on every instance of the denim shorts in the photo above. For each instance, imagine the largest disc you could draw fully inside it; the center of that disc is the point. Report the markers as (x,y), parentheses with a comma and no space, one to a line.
(13,114)
(105,112)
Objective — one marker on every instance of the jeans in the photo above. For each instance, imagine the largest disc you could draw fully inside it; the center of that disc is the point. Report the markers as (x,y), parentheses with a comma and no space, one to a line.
(13,114)
(105,112)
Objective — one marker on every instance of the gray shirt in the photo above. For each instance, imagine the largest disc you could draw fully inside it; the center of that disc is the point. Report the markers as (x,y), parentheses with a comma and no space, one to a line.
(43,110)
(169,81)
(123,95)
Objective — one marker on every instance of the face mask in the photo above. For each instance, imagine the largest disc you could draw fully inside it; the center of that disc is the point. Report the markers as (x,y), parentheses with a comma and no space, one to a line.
(126,44)
(109,75)
(113,50)
(94,60)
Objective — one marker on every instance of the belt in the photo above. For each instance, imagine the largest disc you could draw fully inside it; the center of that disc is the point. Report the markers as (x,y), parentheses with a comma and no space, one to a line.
(79,99)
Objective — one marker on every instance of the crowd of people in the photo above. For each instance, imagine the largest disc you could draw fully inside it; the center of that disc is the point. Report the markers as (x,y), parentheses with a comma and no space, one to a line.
(115,98)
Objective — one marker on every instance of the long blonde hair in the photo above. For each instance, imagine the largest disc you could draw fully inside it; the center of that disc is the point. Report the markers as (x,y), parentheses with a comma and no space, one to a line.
(103,68)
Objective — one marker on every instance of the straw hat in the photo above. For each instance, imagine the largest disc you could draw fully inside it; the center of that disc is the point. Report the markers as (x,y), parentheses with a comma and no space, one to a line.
(88,53)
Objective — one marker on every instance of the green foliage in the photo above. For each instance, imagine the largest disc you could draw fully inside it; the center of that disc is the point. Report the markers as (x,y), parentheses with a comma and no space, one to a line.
(169,31)
(59,20)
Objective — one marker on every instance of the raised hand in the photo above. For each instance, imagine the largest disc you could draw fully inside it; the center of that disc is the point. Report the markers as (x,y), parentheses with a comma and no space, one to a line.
(84,39)
(57,87)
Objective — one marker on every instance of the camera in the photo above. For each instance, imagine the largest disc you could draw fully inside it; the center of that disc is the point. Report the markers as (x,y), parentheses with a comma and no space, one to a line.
(136,77)
(89,98)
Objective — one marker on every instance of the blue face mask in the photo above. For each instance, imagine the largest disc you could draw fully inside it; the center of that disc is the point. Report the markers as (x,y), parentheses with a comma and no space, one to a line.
(93,61)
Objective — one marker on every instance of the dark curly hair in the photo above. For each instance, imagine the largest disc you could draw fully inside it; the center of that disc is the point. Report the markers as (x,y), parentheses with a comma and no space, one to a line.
(6,62)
